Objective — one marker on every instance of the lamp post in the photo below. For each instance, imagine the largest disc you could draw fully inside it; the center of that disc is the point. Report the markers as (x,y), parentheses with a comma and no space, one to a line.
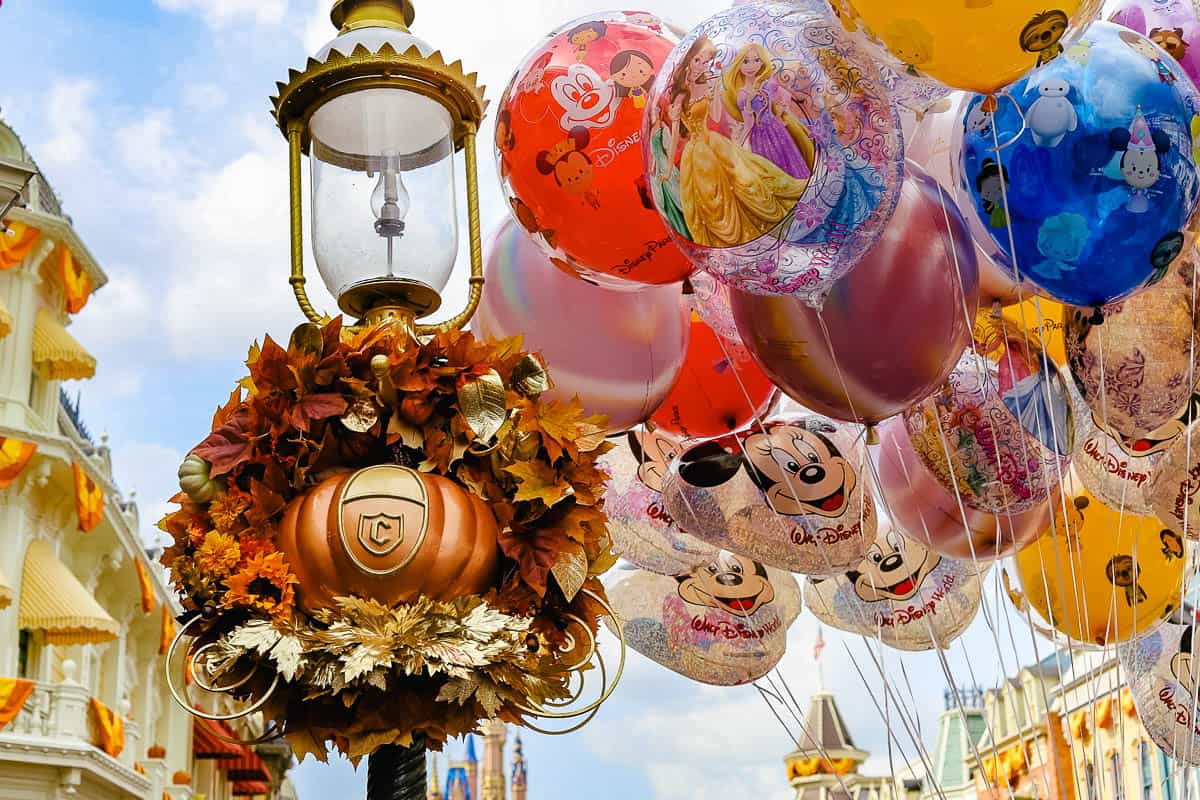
(381,115)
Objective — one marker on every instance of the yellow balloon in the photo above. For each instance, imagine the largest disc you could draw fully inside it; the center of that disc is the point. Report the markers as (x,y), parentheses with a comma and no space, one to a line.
(978,45)
(1104,577)
(1025,315)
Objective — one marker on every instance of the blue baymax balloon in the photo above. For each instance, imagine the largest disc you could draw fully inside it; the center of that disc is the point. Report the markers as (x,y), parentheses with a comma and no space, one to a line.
(1098,164)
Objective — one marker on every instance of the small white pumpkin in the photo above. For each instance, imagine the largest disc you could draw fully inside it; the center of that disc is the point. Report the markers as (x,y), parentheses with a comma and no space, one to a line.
(196,481)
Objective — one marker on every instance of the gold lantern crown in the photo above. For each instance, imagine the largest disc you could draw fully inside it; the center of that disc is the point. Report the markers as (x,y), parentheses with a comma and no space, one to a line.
(410,69)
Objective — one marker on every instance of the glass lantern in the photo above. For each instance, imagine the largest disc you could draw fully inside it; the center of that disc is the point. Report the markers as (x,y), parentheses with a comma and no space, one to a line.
(381,115)
(383,206)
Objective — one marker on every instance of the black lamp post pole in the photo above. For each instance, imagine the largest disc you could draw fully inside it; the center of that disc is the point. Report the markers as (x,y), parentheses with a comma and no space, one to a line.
(397,773)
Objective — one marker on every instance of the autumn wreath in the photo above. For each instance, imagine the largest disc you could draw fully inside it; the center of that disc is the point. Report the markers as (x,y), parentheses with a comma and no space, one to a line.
(359,673)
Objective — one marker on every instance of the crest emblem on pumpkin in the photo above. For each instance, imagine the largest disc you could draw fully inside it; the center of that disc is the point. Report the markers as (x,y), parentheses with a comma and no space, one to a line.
(382,518)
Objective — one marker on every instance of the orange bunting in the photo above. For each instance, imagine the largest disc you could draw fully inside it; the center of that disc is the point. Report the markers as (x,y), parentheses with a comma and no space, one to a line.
(13,694)
(89,500)
(76,281)
(1079,726)
(110,728)
(146,586)
(1104,713)
(1127,706)
(17,243)
(166,631)
(14,457)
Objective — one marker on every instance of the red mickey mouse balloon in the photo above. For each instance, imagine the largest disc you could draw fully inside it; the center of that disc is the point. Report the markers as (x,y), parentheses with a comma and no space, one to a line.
(720,390)
(568,139)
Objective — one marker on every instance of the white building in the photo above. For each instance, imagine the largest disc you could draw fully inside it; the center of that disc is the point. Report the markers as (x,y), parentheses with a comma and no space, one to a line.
(85,711)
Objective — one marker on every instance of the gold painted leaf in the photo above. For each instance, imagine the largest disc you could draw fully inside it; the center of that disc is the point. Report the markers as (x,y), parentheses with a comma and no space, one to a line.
(306,339)
(530,378)
(361,416)
(570,570)
(482,403)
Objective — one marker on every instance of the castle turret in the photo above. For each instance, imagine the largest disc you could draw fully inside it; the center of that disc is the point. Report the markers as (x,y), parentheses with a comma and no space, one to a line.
(492,787)
(518,771)
(433,792)
(472,767)
(458,786)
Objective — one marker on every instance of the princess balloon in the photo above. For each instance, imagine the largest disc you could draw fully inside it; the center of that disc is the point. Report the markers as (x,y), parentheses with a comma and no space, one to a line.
(775,153)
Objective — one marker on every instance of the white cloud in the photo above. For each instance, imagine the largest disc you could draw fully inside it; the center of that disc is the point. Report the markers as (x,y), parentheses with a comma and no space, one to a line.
(205,97)
(150,471)
(221,13)
(70,122)
(149,147)
(118,313)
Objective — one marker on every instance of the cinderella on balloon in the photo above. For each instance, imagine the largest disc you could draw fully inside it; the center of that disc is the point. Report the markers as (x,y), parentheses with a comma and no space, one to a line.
(1088,176)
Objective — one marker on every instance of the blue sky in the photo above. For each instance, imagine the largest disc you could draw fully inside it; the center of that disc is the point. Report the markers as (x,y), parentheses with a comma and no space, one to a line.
(150,117)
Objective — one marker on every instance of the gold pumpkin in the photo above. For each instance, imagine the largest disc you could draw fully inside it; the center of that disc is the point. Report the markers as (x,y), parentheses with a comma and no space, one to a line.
(390,534)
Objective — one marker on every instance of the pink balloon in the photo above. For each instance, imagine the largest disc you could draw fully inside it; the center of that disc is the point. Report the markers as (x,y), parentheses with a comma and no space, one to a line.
(896,324)
(924,511)
(620,352)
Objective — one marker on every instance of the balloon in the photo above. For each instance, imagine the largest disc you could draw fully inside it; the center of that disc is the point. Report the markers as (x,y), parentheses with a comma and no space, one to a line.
(980,45)
(778,152)
(567,145)
(794,495)
(1139,367)
(1001,429)
(1104,576)
(903,593)
(720,389)
(1173,25)
(895,324)
(641,529)
(1046,319)
(711,302)
(1173,486)
(1163,669)
(1117,474)
(619,352)
(724,624)
(1097,178)
(925,512)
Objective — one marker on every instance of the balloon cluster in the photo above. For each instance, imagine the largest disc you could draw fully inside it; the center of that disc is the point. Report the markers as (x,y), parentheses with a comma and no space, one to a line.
(957,240)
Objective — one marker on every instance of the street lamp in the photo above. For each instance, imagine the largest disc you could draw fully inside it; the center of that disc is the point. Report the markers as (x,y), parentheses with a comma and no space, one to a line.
(381,115)
(14,177)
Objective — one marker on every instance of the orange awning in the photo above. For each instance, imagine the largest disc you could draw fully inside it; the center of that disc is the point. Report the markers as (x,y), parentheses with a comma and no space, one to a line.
(250,788)
(207,741)
(246,767)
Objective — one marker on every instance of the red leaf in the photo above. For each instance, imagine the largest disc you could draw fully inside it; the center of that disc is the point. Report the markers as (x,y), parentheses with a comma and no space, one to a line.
(313,407)
(267,504)
(331,336)
(535,553)
(271,371)
(229,445)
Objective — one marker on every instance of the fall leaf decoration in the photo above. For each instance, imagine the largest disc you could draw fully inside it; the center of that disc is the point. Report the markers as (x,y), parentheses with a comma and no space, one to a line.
(335,400)
(89,500)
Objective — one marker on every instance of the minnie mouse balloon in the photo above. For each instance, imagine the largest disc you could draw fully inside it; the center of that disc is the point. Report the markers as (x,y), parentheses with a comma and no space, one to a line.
(794,495)
(619,352)
(777,154)
(567,143)
(1097,178)
(999,433)
(723,624)
(905,594)
(1173,487)
(1163,669)
(925,512)
(720,390)
(1173,25)
(641,529)
(1138,368)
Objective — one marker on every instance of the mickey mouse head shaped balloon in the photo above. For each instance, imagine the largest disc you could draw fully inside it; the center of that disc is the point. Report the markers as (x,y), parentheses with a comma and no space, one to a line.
(907,595)
(641,529)
(792,496)
(1164,673)
(724,623)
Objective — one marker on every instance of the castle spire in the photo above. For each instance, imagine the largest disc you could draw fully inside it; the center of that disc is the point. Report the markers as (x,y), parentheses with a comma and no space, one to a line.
(433,792)
(472,766)
(492,785)
(519,775)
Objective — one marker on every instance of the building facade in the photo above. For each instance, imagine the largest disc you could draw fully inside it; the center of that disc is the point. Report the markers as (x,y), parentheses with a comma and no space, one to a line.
(85,710)
(826,764)
(494,779)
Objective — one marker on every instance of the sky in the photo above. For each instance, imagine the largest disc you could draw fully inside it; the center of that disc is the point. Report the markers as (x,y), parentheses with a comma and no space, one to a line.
(151,119)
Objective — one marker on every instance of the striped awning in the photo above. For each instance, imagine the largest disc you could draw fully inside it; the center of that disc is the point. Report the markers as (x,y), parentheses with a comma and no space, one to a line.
(6,321)
(54,601)
(250,788)
(6,591)
(246,767)
(57,353)
(208,740)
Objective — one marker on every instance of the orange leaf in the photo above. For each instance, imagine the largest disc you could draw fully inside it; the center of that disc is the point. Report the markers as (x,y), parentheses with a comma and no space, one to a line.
(539,481)
(536,552)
